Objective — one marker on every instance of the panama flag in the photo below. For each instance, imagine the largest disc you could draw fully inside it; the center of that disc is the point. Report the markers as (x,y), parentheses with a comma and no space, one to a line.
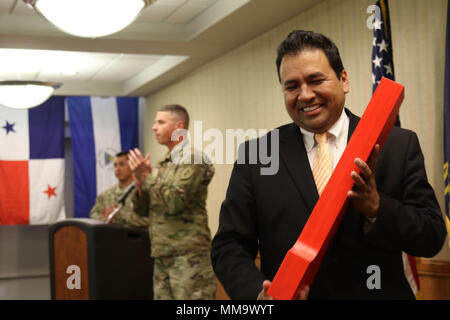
(32,164)
(100,128)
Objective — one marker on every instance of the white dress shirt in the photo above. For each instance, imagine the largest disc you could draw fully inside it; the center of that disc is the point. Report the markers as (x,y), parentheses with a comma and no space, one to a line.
(337,140)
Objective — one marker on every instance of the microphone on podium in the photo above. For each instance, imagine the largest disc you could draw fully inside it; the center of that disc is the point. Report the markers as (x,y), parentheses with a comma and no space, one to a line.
(121,201)
(127,191)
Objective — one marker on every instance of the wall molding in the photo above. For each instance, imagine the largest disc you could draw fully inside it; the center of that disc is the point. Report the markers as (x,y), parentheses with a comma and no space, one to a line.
(434,279)
(431,267)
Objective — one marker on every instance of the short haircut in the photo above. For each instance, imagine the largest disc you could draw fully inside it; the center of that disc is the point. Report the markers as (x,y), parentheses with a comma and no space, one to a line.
(180,111)
(122,153)
(298,40)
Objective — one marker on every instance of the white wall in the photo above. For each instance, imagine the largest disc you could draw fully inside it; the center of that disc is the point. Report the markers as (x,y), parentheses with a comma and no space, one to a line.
(24,262)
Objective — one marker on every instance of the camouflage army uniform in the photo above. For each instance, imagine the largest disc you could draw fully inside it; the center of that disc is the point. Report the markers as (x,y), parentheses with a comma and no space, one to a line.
(125,216)
(179,232)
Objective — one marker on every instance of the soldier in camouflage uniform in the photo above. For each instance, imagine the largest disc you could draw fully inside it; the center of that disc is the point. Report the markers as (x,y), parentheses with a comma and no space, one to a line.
(107,201)
(174,199)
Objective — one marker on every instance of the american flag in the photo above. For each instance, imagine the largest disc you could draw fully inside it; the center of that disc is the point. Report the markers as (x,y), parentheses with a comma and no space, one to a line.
(382,61)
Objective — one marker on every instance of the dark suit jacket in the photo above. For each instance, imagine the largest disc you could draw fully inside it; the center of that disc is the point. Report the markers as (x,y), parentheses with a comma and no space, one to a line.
(268,212)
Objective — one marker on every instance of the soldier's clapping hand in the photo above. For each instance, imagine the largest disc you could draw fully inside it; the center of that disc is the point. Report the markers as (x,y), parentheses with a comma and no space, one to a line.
(140,166)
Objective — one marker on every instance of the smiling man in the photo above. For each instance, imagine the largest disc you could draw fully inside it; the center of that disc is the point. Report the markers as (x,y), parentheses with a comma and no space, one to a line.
(392,206)
(314,94)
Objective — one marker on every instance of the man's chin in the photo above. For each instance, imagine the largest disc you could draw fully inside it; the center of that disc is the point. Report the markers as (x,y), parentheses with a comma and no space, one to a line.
(312,127)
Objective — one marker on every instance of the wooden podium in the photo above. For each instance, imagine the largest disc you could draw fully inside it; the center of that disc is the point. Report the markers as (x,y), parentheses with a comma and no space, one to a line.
(93,260)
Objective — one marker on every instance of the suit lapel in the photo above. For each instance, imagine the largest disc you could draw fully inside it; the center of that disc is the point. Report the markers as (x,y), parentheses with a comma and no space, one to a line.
(293,154)
(353,122)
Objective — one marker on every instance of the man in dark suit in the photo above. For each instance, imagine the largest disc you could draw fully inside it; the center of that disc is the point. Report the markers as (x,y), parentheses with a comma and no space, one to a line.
(392,207)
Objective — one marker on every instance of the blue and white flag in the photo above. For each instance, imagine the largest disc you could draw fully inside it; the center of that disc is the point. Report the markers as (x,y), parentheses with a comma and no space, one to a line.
(99,128)
(32,163)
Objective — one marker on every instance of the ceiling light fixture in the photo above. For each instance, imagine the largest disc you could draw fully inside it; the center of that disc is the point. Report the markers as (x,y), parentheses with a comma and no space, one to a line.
(90,18)
(25,94)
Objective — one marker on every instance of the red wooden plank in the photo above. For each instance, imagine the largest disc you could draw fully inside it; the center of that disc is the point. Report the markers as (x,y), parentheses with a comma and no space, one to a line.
(302,261)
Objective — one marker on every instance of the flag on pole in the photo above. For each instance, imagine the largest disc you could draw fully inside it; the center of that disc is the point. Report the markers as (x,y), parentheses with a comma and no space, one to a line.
(99,128)
(382,60)
(383,66)
(447,124)
(32,164)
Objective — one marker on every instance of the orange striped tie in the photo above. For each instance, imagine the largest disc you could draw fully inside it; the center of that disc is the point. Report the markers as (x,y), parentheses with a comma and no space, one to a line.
(322,167)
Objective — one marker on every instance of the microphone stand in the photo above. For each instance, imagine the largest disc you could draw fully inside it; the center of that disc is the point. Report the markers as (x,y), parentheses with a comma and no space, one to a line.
(112,214)
(121,202)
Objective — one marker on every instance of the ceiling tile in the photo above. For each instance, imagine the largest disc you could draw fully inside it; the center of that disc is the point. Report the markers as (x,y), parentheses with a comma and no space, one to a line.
(201,2)
(19,64)
(63,78)
(8,75)
(157,12)
(124,68)
(171,2)
(185,14)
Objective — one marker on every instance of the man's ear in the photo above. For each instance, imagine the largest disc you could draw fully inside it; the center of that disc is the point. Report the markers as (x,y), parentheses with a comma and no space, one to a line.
(179,124)
(345,82)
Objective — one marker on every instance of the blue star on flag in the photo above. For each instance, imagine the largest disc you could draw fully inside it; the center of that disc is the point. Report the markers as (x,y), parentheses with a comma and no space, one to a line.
(9,127)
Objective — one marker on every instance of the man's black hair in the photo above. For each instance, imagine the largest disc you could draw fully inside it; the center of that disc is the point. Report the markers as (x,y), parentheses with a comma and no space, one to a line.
(298,40)
(122,153)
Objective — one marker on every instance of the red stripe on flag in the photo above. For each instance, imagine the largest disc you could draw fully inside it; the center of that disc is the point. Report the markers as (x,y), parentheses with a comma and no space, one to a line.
(14,192)
(412,263)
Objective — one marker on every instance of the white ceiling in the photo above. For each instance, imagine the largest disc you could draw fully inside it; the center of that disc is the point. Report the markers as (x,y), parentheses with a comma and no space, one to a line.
(168,40)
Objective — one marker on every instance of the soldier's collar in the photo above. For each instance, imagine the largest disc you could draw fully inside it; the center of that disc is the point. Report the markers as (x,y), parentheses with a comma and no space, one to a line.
(167,157)
(178,152)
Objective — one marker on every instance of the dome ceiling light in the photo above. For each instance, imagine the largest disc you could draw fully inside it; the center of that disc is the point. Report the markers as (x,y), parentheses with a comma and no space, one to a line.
(25,94)
(90,18)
